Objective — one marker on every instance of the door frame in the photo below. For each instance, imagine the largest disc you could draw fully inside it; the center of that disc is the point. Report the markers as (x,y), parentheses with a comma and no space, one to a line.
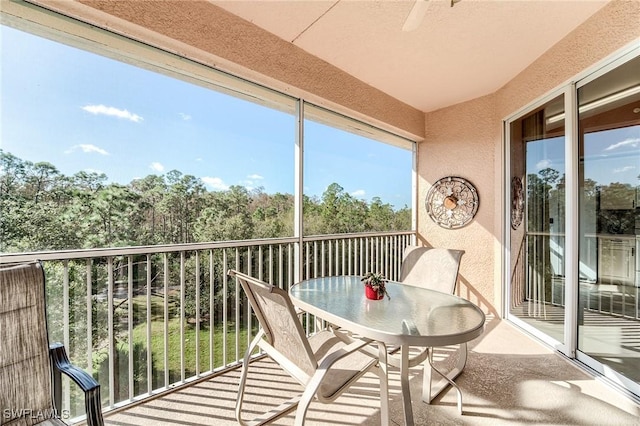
(569,347)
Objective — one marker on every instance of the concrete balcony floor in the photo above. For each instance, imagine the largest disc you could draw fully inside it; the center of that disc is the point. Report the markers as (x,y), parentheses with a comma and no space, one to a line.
(509,379)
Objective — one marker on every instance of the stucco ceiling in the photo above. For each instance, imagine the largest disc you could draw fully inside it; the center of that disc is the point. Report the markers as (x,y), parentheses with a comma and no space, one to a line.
(455,53)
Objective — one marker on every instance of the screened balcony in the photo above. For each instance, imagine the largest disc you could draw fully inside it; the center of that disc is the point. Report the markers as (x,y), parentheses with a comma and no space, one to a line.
(543,92)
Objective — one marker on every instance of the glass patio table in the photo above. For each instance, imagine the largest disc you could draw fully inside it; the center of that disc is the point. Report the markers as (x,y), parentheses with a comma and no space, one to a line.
(412,316)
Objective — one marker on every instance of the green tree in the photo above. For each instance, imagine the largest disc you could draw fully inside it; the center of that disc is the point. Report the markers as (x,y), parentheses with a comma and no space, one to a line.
(152,190)
(617,212)
(381,216)
(272,215)
(181,206)
(227,216)
(312,211)
(112,217)
(342,213)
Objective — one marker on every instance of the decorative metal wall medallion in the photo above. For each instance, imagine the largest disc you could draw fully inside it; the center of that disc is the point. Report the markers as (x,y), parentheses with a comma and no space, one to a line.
(452,202)
(517,202)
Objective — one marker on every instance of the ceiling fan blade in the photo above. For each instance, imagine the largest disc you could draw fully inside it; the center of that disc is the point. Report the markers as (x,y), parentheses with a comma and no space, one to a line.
(415,17)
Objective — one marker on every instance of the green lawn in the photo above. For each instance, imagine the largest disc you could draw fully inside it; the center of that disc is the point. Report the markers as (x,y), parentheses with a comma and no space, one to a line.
(190,332)
(174,345)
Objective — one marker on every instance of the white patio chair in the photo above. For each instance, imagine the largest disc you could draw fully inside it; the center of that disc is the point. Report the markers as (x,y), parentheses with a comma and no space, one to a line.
(323,363)
(435,269)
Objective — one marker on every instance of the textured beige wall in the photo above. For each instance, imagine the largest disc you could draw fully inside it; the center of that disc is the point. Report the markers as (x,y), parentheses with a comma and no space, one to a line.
(615,26)
(459,141)
(466,140)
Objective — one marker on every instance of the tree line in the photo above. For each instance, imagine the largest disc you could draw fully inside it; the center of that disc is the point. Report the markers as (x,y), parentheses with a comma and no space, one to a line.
(605,209)
(43,209)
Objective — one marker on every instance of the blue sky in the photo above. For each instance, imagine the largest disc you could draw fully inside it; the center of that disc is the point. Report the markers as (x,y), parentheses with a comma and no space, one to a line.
(610,155)
(80,111)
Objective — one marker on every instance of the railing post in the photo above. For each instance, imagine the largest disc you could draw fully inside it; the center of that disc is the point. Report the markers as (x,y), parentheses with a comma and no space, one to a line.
(348,253)
(298,232)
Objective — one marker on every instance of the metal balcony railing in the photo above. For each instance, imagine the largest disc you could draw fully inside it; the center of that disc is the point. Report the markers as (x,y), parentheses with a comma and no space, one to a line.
(144,320)
(609,274)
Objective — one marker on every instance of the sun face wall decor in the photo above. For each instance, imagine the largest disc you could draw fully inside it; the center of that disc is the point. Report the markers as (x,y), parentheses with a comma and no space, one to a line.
(452,202)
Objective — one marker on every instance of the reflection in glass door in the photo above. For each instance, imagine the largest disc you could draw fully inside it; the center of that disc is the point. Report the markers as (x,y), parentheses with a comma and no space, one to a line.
(538,219)
(609,221)
(602,324)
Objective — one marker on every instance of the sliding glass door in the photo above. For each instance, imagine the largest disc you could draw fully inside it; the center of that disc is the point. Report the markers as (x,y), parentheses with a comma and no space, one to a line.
(609,226)
(575,283)
(537,218)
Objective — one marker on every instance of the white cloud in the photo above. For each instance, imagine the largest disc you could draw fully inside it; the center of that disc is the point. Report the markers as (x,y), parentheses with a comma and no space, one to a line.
(185,117)
(156,166)
(358,193)
(215,183)
(112,112)
(86,147)
(632,142)
(543,164)
(99,172)
(199,159)
(623,169)
(250,182)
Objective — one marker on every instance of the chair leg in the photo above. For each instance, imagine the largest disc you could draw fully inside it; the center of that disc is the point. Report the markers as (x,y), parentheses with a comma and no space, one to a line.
(243,376)
(305,401)
(271,415)
(427,379)
(428,393)
(312,386)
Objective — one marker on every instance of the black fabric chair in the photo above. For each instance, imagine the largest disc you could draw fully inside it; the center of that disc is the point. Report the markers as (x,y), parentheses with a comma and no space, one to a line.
(30,369)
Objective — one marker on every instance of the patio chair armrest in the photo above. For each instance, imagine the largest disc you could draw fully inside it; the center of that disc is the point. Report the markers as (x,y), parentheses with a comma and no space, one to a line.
(326,364)
(91,388)
(354,346)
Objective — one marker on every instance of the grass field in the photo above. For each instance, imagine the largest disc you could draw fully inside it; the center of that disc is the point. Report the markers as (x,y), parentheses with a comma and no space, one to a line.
(197,347)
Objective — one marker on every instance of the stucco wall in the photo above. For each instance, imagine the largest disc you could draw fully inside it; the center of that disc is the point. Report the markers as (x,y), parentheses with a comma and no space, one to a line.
(466,140)
(459,142)
(615,26)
